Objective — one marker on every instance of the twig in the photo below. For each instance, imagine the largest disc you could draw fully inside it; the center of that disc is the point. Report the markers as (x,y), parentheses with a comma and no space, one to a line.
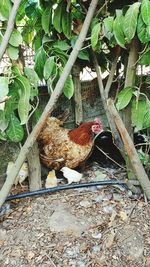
(5,99)
(131,212)
(34,109)
(10,27)
(110,157)
(111,76)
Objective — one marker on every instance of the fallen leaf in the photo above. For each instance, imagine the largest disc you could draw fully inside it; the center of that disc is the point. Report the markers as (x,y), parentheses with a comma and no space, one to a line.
(123,215)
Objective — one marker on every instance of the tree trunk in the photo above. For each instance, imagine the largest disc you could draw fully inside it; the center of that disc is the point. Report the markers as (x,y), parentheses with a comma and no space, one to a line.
(131,151)
(50,105)
(77,94)
(34,168)
(130,81)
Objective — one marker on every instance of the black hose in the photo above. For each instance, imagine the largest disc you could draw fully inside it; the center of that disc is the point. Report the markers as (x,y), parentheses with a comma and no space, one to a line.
(65,187)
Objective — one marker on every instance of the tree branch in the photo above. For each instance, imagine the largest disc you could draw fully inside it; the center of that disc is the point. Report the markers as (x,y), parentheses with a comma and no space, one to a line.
(10,27)
(131,151)
(50,105)
(104,101)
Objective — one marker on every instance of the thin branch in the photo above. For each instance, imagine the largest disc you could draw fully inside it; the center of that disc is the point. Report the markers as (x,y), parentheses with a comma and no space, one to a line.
(5,99)
(10,27)
(109,157)
(111,76)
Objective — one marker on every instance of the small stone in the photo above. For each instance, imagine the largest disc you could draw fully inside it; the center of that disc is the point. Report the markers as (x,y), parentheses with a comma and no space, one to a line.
(85,203)
(3,234)
(108,209)
(97,235)
(80,264)
(96,248)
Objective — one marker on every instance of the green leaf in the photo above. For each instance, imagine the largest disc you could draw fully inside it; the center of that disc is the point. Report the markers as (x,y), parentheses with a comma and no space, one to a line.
(40,59)
(57,19)
(23,103)
(61,45)
(118,31)
(66,22)
(130,21)
(147,80)
(46,19)
(5,8)
(108,27)
(61,55)
(145,11)
(13,52)
(16,38)
(4,81)
(3,121)
(30,8)
(84,55)
(15,131)
(95,35)
(142,33)
(32,76)
(146,123)
(68,87)
(124,98)
(145,59)
(3,136)
(139,111)
(48,67)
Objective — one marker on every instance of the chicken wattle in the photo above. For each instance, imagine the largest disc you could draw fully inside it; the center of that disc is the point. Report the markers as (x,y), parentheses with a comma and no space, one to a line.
(61,147)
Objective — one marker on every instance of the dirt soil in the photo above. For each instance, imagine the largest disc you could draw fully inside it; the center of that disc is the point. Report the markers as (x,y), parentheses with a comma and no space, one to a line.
(91,227)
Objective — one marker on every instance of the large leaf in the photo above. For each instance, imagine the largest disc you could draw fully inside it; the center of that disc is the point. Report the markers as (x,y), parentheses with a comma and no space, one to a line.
(61,44)
(57,19)
(146,123)
(3,87)
(68,87)
(108,27)
(130,21)
(142,31)
(30,8)
(61,55)
(118,30)
(15,131)
(84,55)
(13,52)
(48,67)
(5,8)
(24,93)
(145,10)
(66,22)
(32,76)
(16,38)
(46,19)
(3,121)
(124,98)
(139,111)
(40,59)
(145,59)
(95,35)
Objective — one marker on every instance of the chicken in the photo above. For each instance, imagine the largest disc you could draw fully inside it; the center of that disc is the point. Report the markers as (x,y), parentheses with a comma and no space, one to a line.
(60,147)
(51,180)
(22,175)
(71,175)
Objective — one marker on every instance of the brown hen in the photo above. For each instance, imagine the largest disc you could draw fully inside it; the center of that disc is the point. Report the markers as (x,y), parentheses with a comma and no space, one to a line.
(61,147)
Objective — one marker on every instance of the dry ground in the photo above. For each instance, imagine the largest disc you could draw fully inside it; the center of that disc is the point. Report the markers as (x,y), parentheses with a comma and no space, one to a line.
(78,228)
